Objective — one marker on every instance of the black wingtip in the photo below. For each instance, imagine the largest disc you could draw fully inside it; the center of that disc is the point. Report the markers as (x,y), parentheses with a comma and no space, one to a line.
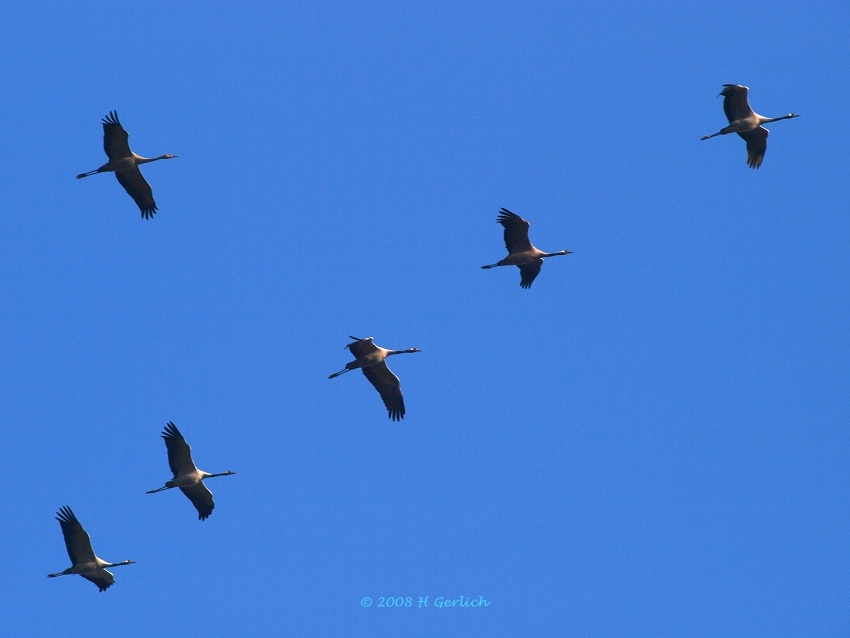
(65,515)
(170,431)
(112,118)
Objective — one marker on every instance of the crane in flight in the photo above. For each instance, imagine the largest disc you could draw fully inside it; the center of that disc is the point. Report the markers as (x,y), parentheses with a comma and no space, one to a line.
(746,123)
(84,562)
(521,252)
(372,360)
(125,164)
(187,477)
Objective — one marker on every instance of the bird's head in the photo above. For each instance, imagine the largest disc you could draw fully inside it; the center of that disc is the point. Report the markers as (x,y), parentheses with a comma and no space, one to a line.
(228,473)
(793,115)
(169,156)
(567,252)
(413,350)
(127,562)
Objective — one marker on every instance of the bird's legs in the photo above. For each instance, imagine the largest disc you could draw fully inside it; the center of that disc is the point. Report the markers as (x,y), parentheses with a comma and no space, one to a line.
(164,487)
(343,371)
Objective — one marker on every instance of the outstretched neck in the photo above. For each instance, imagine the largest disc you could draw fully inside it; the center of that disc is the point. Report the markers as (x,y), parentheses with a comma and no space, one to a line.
(776,119)
(145,160)
(123,562)
(560,252)
(208,475)
(409,350)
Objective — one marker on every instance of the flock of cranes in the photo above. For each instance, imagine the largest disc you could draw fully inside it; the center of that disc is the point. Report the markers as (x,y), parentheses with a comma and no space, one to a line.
(371,359)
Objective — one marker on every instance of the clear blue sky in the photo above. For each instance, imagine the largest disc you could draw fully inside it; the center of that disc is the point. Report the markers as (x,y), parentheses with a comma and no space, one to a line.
(652,441)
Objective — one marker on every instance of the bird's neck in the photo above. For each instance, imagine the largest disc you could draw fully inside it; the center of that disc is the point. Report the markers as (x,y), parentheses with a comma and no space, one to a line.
(560,252)
(766,120)
(145,160)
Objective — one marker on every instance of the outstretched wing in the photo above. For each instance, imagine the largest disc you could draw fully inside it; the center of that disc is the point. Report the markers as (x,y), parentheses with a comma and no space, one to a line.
(362,347)
(102,578)
(201,498)
(115,138)
(756,145)
(516,232)
(735,103)
(529,271)
(388,386)
(138,188)
(77,540)
(179,452)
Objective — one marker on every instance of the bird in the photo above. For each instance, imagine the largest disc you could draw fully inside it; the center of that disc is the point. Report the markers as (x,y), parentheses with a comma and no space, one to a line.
(372,360)
(85,563)
(746,123)
(520,251)
(187,477)
(125,164)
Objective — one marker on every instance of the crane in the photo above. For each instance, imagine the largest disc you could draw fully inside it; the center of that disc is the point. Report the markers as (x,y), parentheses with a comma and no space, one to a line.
(125,164)
(372,360)
(187,477)
(521,253)
(746,122)
(84,562)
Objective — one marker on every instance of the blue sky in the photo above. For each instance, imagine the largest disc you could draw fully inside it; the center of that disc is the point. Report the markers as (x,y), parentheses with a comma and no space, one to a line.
(652,441)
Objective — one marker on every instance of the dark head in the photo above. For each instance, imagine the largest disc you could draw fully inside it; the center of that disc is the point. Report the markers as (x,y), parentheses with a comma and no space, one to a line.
(168,156)
(125,562)
(413,350)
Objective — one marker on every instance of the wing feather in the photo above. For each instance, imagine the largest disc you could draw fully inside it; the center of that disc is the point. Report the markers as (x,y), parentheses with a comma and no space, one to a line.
(77,540)
(529,271)
(138,188)
(201,498)
(735,103)
(103,578)
(115,138)
(516,232)
(362,347)
(388,386)
(756,145)
(179,452)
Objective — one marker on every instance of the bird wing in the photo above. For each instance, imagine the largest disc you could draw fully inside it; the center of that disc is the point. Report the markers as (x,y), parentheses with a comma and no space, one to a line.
(756,145)
(388,386)
(201,498)
(179,452)
(103,578)
(516,232)
(529,271)
(77,540)
(735,103)
(138,188)
(115,138)
(362,347)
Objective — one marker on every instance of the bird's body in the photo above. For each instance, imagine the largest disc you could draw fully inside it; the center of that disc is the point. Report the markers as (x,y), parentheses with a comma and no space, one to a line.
(83,559)
(521,252)
(125,164)
(746,122)
(187,477)
(371,359)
